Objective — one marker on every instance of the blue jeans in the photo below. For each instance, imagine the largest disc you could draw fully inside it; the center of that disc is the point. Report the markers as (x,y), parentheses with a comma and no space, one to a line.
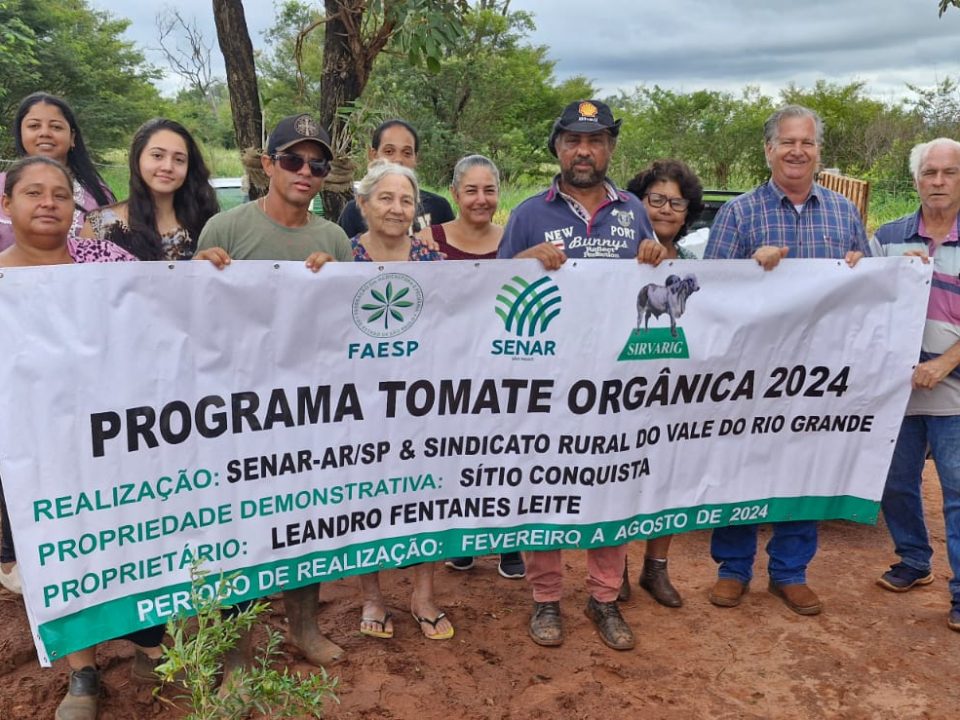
(791,549)
(902,502)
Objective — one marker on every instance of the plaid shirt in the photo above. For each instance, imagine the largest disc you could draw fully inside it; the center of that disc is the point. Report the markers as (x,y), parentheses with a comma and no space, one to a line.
(828,225)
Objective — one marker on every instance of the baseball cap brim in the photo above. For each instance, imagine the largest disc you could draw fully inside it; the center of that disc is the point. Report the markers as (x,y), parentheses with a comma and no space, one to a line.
(326,148)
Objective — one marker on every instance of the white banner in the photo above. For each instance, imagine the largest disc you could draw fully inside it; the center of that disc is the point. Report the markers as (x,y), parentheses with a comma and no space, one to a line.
(297,428)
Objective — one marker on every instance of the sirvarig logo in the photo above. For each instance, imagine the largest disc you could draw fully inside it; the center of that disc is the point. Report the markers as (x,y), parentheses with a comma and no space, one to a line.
(387,305)
(669,300)
(527,309)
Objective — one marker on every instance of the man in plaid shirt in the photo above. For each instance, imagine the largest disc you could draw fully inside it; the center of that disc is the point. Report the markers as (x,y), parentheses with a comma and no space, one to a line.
(789,215)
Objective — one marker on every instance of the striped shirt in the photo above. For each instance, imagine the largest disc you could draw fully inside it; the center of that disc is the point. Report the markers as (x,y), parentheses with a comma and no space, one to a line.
(942,329)
(827,226)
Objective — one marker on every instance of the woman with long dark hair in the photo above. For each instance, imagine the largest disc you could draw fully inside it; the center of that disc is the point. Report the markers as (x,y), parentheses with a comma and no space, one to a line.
(45,125)
(170,196)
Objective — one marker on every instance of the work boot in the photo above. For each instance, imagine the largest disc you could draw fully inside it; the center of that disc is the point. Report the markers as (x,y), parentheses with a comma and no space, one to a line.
(144,668)
(727,592)
(546,627)
(80,702)
(655,580)
(611,626)
(798,597)
(302,605)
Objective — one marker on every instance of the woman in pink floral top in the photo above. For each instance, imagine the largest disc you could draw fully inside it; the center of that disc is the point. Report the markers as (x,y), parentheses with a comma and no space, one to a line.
(38,199)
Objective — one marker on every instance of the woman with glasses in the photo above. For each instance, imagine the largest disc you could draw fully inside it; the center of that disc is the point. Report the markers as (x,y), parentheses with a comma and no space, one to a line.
(170,196)
(673,198)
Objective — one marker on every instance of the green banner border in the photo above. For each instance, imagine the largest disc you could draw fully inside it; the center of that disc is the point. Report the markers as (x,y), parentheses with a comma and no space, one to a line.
(111,619)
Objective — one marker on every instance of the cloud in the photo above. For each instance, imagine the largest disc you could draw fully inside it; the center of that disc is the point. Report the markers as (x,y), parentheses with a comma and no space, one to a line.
(728,44)
(694,44)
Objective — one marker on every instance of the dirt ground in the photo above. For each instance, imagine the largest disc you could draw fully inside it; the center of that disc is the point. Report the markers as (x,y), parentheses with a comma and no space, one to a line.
(871,654)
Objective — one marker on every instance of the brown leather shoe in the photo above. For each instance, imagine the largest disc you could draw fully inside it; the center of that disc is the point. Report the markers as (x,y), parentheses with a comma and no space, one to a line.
(655,580)
(80,702)
(611,626)
(798,597)
(546,627)
(728,592)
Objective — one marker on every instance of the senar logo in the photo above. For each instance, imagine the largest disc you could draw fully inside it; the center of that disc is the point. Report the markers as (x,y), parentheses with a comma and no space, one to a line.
(527,309)
(654,300)
(385,307)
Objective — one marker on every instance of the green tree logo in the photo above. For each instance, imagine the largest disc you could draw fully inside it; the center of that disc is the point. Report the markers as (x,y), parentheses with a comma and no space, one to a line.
(387,305)
(528,308)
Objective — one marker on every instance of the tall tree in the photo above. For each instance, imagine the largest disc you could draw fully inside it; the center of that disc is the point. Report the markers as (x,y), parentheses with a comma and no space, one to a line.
(234,40)
(355,33)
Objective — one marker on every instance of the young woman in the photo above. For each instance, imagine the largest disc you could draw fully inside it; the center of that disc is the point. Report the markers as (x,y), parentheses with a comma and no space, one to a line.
(45,126)
(170,196)
(38,198)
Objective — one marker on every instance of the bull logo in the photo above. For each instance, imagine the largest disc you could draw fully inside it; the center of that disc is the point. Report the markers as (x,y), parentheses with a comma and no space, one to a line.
(668,299)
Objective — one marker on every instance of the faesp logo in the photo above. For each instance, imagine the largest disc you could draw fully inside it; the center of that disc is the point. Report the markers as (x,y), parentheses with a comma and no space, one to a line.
(385,307)
(669,299)
(526,309)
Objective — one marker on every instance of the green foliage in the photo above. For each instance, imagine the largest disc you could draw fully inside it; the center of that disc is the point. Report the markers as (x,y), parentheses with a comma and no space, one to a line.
(938,107)
(71,50)
(280,91)
(492,93)
(944,4)
(719,135)
(194,661)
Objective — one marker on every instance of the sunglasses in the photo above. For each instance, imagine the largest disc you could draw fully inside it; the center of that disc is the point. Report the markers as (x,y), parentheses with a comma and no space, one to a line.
(292,163)
(658,201)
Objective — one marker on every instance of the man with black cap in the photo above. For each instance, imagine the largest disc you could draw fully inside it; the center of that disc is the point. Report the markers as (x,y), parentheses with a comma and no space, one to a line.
(581,215)
(280,226)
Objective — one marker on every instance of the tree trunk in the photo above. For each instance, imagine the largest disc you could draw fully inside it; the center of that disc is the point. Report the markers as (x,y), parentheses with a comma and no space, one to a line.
(346,68)
(234,39)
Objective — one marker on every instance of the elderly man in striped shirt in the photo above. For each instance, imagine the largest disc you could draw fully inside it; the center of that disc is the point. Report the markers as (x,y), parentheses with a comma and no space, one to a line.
(789,215)
(933,413)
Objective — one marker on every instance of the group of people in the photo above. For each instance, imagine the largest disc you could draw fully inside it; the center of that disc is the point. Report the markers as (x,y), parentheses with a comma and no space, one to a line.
(56,209)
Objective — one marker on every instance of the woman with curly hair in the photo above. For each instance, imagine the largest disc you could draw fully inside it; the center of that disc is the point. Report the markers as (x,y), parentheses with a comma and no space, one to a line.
(673,198)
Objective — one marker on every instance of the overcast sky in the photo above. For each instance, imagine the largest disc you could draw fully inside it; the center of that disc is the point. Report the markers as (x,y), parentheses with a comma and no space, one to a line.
(689,45)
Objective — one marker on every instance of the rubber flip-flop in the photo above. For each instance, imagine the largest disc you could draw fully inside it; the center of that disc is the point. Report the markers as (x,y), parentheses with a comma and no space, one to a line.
(382,633)
(433,623)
